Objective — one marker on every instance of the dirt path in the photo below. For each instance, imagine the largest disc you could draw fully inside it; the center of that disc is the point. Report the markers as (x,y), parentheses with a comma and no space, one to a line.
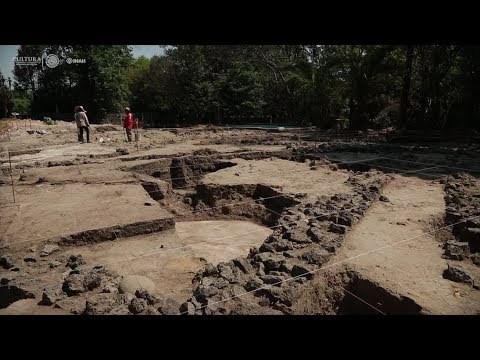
(412,268)
(171,258)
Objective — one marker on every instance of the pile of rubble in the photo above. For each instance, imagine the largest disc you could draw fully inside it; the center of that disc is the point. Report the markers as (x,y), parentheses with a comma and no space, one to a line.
(84,290)
(462,198)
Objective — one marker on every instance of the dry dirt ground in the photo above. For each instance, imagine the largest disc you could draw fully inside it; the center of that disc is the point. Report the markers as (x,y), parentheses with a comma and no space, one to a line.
(171,258)
(123,208)
(52,211)
(289,177)
(394,245)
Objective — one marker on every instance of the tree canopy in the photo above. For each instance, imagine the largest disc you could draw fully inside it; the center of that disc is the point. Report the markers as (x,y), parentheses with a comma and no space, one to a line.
(100,83)
(425,87)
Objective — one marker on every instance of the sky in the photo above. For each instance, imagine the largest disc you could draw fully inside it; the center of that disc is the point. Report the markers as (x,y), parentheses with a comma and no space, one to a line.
(8,52)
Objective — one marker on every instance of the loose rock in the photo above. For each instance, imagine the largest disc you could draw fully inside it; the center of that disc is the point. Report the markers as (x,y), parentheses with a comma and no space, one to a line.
(476,259)
(144,294)
(54,264)
(456,274)
(75,261)
(91,281)
(169,307)
(50,296)
(137,306)
(243,265)
(253,283)
(315,257)
(73,284)
(456,250)
(338,229)
(6,262)
(187,308)
(301,271)
(48,249)
(272,279)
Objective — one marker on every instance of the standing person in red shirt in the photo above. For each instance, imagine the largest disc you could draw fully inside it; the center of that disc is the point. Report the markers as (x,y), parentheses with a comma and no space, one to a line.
(128,123)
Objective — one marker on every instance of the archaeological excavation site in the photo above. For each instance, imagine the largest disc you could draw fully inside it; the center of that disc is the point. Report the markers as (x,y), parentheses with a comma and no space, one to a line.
(214,220)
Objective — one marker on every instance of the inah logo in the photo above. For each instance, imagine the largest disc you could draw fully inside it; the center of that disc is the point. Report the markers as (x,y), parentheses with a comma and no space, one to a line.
(76,61)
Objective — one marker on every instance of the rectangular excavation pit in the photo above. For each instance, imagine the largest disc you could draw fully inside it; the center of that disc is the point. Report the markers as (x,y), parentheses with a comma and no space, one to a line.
(181,172)
(289,177)
(259,203)
(78,211)
(172,258)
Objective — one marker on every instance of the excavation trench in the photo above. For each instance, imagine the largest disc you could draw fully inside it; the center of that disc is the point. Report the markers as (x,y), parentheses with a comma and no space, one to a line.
(310,231)
(181,172)
(348,292)
(258,203)
(365,297)
(185,171)
(11,294)
(428,166)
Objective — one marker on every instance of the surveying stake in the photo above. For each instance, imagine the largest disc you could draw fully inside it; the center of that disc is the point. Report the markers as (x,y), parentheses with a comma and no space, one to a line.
(11,176)
(136,134)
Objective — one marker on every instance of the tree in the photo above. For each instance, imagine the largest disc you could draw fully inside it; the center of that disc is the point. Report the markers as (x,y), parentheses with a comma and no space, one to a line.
(194,93)
(407,76)
(318,92)
(5,97)
(375,85)
(103,79)
(436,82)
(138,81)
(27,75)
(275,59)
(242,91)
(467,109)
(99,83)
(365,68)
(21,101)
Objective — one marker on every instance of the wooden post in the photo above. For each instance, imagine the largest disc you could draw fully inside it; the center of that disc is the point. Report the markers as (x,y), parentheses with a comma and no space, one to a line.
(136,134)
(11,176)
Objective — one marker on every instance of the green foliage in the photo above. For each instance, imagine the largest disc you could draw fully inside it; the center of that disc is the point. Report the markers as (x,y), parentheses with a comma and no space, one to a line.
(47,120)
(21,101)
(99,83)
(371,85)
(6,103)
(241,92)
